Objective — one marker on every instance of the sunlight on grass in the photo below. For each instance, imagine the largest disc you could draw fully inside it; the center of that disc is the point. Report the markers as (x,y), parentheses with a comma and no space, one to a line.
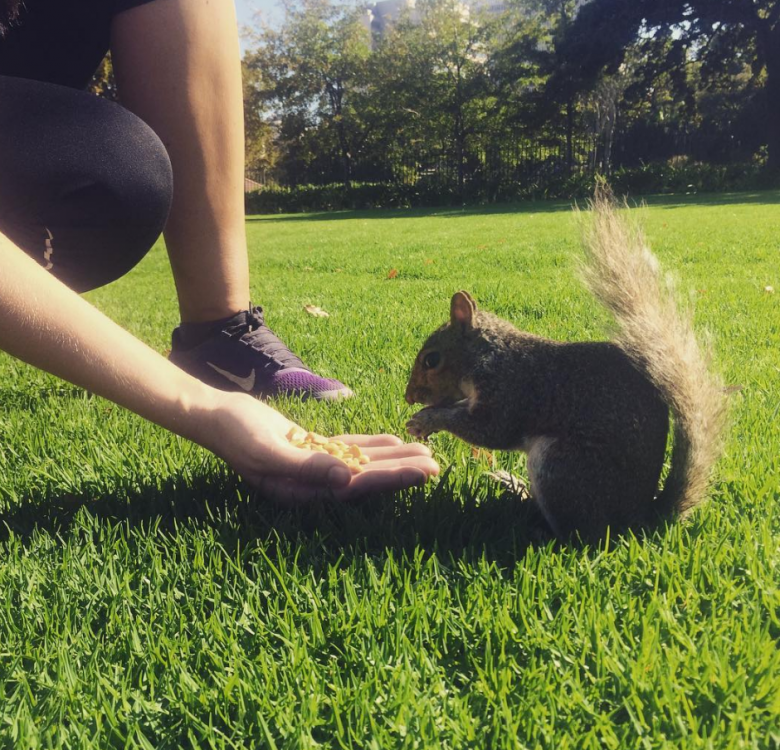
(150,600)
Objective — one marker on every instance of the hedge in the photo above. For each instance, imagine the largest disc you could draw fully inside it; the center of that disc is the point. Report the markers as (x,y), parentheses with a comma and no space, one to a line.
(677,176)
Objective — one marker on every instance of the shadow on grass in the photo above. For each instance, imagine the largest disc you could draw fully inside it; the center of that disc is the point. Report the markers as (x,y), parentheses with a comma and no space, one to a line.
(452,523)
(764,198)
(444,212)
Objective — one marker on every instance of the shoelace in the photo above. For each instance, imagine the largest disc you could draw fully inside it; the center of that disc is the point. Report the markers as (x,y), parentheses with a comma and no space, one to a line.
(255,333)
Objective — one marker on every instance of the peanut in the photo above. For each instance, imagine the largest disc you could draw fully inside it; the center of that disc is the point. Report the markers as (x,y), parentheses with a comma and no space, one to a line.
(351,455)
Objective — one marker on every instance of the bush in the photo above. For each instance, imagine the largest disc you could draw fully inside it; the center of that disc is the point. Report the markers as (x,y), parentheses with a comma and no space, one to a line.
(678,175)
(333,197)
(682,176)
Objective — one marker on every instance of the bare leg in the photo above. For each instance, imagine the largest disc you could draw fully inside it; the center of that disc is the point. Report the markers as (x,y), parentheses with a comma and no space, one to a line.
(178,68)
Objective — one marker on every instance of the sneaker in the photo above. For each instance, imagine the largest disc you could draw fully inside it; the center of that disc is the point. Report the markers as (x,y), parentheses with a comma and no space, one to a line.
(243,354)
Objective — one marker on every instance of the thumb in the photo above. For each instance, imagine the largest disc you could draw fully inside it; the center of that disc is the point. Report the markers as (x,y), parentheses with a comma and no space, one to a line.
(317,469)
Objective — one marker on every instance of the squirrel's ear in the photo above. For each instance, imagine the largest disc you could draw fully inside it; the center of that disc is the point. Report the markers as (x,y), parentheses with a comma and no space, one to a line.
(462,309)
(469,298)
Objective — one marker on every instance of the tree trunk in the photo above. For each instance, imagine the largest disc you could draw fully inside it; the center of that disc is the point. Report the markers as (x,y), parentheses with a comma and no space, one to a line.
(569,135)
(772,94)
(769,48)
(461,151)
(346,159)
(459,134)
(346,155)
(336,94)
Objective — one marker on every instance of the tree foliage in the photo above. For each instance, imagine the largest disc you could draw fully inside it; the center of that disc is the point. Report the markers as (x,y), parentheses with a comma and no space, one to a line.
(103,82)
(647,79)
(261,151)
(701,51)
(314,79)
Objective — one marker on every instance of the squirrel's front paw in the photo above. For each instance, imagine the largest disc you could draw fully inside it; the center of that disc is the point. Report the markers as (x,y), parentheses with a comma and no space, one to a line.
(420,425)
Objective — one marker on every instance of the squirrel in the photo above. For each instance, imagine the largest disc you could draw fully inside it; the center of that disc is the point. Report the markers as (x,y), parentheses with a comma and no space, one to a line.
(592,417)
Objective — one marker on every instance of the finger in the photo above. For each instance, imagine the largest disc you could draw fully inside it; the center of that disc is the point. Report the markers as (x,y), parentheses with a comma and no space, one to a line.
(287,491)
(367,441)
(387,480)
(317,469)
(328,471)
(290,492)
(398,451)
(423,463)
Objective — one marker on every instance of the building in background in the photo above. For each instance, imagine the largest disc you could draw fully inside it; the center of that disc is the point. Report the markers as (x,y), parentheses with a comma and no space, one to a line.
(380,16)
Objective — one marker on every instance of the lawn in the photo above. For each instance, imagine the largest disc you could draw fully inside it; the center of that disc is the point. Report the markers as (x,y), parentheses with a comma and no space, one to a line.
(149,599)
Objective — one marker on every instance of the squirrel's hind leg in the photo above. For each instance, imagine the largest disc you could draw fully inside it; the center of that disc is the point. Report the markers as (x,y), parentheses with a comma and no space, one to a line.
(578,492)
(538,528)
(512,484)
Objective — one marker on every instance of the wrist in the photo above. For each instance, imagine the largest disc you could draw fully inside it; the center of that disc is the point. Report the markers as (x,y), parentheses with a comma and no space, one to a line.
(217,417)
(198,412)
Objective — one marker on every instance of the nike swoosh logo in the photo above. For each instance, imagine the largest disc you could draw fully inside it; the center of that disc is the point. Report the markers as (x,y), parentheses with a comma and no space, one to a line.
(246,383)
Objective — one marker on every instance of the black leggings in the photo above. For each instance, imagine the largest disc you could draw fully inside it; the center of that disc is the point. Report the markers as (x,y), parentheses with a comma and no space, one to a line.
(85,186)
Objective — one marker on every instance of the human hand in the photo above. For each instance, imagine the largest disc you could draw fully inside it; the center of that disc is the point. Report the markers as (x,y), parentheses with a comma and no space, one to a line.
(252,437)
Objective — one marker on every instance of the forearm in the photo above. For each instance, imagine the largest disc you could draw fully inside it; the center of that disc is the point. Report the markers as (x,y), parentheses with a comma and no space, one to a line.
(44,323)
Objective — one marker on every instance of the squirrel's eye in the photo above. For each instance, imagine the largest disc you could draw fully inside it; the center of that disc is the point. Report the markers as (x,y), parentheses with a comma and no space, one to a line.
(431,360)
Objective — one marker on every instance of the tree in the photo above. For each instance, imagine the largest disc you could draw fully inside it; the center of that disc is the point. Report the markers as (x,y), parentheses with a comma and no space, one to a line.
(557,16)
(715,35)
(103,82)
(259,148)
(431,74)
(314,71)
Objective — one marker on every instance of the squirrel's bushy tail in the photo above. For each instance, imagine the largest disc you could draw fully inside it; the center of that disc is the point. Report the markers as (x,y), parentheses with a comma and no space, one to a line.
(625,277)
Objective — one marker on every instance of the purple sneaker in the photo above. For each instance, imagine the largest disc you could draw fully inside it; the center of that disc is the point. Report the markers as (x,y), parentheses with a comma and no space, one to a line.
(243,354)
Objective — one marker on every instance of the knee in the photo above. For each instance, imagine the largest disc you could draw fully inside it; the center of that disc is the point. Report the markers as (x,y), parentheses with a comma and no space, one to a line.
(132,186)
(71,158)
(85,170)
(119,208)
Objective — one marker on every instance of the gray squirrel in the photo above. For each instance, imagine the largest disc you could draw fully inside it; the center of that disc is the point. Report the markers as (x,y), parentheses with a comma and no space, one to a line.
(592,417)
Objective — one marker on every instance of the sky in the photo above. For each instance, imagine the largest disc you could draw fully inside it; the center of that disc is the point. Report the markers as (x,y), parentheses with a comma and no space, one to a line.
(246,9)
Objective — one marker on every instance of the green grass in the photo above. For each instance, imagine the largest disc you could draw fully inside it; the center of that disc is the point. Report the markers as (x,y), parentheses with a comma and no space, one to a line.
(148,599)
